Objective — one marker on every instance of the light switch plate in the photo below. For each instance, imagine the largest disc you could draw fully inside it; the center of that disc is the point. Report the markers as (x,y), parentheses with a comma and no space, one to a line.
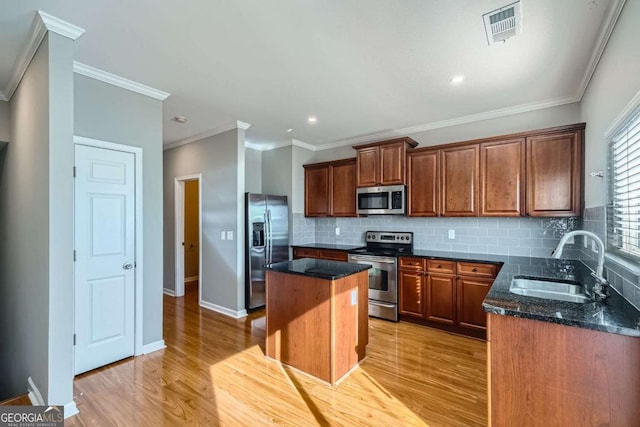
(229,235)
(223,235)
(337,231)
(452,234)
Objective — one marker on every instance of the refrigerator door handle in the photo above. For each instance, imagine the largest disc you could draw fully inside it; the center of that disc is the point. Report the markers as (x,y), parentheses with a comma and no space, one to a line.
(270,237)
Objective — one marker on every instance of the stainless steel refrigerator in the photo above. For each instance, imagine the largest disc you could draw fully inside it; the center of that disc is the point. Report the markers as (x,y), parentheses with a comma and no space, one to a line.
(267,231)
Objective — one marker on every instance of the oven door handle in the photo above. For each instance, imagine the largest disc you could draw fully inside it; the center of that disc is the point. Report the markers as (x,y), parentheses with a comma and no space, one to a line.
(382,305)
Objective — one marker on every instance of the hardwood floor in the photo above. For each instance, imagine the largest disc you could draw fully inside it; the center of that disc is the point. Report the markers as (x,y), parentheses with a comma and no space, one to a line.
(214,372)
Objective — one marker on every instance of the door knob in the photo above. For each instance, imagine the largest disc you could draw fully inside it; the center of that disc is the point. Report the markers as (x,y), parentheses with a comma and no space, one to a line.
(127,266)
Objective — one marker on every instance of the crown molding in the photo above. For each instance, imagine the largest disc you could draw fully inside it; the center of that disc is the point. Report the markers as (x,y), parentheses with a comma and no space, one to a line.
(301,144)
(225,127)
(115,80)
(42,23)
(253,146)
(493,114)
(3,97)
(59,26)
(603,38)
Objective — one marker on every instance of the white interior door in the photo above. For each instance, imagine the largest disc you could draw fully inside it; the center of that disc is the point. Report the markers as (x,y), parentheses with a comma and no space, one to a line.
(105,256)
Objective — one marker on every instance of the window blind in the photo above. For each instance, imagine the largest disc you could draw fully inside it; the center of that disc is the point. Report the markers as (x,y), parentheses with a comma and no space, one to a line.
(623,210)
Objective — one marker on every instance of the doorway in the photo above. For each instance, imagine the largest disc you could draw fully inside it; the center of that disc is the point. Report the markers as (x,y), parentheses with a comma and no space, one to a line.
(188,232)
(107,254)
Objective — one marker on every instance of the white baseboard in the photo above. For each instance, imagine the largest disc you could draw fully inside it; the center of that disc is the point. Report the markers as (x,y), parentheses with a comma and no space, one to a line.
(154,346)
(191,279)
(70,409)
(223,310)
(169,292)
(34,394)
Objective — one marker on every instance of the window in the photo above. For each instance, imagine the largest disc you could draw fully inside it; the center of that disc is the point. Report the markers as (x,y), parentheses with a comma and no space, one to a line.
(623,210)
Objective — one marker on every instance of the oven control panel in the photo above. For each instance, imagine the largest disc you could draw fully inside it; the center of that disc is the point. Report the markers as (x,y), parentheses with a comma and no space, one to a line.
(389,237)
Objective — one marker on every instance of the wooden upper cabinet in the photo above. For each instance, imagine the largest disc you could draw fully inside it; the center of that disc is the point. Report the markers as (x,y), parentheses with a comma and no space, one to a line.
(316,190)
(502,165)
(554,174)
(460,180)
(343,188)
(382,163)
(392,158)
(423,183)
(330,189)
(368,170)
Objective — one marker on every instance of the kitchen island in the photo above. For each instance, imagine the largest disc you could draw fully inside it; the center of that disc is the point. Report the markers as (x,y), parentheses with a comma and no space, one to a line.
(317,316)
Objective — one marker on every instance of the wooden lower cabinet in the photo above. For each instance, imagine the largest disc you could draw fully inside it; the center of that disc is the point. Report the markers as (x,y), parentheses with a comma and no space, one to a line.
(471,293)
(545,374)
(445,294)
(328,254)
(441,298)
(411,293)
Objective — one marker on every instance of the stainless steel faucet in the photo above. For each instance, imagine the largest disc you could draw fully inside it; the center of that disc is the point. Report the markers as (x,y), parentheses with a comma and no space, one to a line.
(601,283)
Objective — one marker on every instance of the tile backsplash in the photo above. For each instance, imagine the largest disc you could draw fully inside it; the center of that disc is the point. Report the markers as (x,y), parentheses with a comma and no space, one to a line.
(504,236)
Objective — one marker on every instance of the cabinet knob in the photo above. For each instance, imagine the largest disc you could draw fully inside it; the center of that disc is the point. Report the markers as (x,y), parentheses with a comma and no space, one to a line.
(439,266)
(474,270)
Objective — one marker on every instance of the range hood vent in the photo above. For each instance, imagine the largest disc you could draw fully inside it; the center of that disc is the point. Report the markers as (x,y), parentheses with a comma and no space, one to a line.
(502,24)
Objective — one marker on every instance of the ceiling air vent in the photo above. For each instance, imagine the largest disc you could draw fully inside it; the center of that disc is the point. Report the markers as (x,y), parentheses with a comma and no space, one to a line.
(502,23)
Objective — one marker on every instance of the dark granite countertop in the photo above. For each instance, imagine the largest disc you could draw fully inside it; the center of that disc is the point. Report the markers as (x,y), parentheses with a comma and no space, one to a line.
(328,246)
(322,269)
(614,315)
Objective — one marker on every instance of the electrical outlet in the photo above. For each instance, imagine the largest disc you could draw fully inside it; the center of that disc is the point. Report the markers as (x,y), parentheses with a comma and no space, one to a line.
(585,242)
(223,235)
(229,235)
(337,231)
(452,234)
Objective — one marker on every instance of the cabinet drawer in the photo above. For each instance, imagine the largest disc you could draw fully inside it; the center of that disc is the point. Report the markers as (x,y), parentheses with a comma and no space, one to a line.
(412,263)
(332,255)
(477,269)
(305,253)
(441,266)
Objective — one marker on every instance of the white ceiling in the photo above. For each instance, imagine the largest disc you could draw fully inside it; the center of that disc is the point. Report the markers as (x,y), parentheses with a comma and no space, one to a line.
(361,66)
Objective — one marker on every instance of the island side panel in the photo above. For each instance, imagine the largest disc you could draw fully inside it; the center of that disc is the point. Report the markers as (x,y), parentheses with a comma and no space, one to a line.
(548,374)
(298,322)
(363,313)
(344,337)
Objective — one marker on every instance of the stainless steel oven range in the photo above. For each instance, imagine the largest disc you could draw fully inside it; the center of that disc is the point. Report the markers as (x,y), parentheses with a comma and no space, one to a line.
(381,253)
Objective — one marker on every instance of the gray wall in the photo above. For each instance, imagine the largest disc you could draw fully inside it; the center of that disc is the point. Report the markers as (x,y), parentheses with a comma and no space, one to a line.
(277,172)
(4,122)
(252,171)
(615,81)
(220,160)
(24,235)
(109,113)
(36,268)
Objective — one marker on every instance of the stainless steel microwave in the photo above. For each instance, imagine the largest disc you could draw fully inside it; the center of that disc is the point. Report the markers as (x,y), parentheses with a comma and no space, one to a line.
(386,200)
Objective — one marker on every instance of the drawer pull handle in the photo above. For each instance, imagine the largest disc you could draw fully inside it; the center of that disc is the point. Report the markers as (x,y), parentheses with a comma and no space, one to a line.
(439,266)
(474,270)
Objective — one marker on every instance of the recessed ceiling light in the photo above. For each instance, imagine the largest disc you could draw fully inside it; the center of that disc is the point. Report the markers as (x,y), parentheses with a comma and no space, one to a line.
(180,119)
(289,130)
(457,79)
(312,119)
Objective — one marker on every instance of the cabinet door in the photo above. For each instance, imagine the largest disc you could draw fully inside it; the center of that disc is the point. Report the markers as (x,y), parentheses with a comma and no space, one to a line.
(441,299)
(368,167)
(305,253)
(460,181)
(316,191)
(423,183)
(411,293)
(343,189)
(392,164)
(554,174)
(502,178)
(471,293)
(333,255)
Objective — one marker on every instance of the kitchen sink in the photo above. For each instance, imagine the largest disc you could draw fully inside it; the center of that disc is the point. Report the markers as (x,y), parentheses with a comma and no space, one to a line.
(559,290)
